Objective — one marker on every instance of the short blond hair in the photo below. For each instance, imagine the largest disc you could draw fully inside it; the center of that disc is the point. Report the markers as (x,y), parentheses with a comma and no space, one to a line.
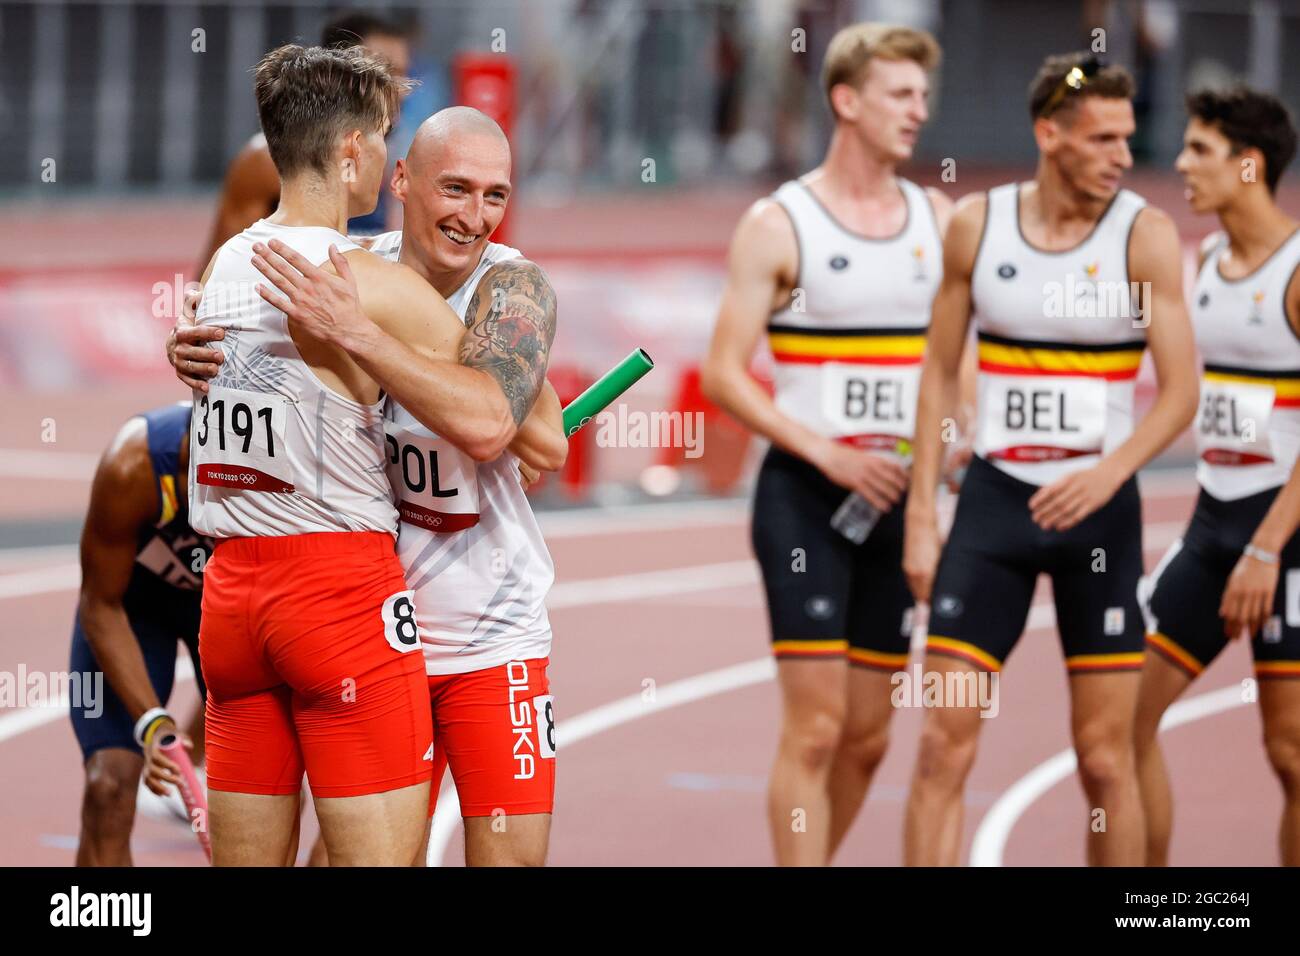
(853,48)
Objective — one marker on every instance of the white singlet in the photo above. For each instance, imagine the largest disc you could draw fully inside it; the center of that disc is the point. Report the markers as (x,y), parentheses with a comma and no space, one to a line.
(273,450)
(1248,426)
(1060,342)
(848,346)
(468,540)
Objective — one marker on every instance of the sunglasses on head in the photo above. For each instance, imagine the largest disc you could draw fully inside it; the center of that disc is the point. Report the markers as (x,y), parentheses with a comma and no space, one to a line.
(1074,80)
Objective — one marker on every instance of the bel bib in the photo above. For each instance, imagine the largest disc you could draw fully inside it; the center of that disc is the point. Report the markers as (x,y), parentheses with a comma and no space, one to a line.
(1046,418)
(1232,423)
(870,400)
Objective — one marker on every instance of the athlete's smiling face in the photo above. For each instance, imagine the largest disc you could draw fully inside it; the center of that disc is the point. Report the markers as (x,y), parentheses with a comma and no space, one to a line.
(455,190)
(1088,143)
(888,110)
(1212,173)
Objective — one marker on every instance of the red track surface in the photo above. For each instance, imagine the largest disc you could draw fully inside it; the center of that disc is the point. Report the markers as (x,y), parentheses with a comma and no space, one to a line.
(680,785)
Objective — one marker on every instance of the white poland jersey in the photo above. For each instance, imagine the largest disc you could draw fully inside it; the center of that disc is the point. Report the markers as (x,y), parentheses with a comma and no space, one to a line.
(273,450)
(468,541)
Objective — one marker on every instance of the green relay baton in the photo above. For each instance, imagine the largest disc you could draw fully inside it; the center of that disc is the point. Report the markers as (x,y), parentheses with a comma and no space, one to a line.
(607,388)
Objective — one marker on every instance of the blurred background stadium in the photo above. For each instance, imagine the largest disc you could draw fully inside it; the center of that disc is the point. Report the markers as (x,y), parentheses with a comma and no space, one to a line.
(641,131)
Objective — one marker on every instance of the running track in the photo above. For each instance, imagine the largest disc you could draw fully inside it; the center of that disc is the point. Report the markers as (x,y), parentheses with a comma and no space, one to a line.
(669,595)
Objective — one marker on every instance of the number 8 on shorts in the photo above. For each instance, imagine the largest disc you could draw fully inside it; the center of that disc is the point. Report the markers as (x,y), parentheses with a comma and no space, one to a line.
(400,629)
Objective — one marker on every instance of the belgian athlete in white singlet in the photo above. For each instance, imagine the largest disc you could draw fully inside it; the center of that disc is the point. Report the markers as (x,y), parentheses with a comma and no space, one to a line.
(838,268)
(1236,570)
(1068,279)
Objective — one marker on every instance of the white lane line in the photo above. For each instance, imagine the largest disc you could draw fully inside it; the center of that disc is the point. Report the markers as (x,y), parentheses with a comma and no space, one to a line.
(606,717)
(27,463)
(659,583)
(565,594)
(627,587)
(582,593)
(650,584)
(991,836)
(19,722)
(10,557)
(61,577)
(648,516)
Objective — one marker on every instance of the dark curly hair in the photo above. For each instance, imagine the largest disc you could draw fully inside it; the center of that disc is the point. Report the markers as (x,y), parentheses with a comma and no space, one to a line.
(1248,118)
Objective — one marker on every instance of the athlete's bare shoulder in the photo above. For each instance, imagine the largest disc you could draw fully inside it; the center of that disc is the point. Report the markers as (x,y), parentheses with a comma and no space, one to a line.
(1153,224)
(765,237)
(943,208)
(397,299)
(124,480)
(965,230)
(1154,247)
(765,219)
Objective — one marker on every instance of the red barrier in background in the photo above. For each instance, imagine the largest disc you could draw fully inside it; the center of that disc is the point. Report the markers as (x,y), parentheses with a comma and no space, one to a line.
(569,382)
(486,81)
(721,467)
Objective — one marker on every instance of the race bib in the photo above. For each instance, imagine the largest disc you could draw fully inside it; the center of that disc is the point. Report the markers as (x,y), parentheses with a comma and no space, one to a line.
(1045,418)
(436,483)
(237,439)
(874,404)
(1232,423)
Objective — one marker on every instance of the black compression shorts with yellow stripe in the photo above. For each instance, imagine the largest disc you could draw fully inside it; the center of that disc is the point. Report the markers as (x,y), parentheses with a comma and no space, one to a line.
(1187,586)
(990,565)
(827,597)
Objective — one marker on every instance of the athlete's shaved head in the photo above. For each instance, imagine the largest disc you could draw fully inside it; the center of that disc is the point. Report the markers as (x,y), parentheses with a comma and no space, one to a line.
(455,124)
(454,182)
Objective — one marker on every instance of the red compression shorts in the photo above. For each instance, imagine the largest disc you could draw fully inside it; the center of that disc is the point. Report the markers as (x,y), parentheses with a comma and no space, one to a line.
(311,663)
(496,730)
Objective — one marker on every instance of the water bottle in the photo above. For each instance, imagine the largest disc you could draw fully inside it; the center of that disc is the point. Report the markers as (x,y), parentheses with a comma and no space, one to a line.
(855,518)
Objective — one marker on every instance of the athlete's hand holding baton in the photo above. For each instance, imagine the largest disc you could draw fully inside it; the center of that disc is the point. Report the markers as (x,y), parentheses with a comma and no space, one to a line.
(166,761)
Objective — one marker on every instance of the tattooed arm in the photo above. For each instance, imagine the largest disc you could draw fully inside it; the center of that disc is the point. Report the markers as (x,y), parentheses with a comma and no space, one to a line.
(540,441)
(511,327)
(401,333)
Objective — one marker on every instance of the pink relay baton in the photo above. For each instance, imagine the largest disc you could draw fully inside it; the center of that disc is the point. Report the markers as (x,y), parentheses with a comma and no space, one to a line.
(191,793)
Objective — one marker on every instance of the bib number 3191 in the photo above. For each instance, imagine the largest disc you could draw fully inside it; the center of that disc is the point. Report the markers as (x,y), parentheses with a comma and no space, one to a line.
(238,440)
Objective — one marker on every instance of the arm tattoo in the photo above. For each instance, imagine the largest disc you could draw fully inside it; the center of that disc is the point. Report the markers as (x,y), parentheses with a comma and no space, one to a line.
(512,325)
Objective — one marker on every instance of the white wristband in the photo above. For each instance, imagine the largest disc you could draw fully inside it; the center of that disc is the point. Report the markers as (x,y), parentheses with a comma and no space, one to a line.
(1259,554)
(147,719)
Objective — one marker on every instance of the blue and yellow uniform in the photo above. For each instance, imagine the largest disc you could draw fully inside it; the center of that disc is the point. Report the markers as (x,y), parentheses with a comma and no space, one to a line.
(163,598)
